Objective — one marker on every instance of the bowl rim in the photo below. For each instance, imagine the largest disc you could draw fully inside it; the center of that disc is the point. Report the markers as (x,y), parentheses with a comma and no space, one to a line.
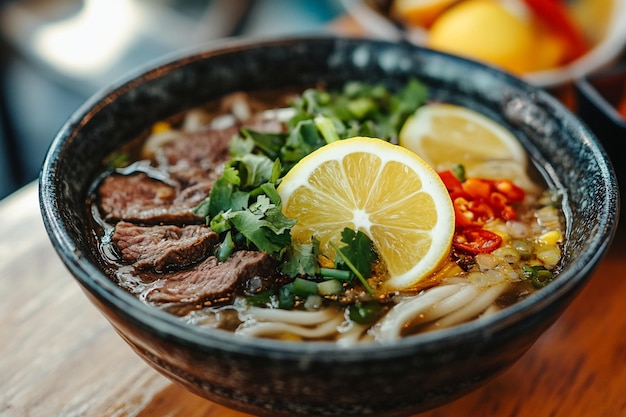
(96,282)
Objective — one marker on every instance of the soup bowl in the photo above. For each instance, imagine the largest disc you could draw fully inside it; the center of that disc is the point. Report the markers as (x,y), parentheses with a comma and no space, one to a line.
(281,378)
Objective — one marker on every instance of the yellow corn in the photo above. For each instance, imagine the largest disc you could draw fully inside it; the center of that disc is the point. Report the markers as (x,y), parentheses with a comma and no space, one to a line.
(552,238)
(160,127)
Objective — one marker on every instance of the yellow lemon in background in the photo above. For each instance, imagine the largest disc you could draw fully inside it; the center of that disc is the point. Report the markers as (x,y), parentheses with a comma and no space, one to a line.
(485,30)
(380,189)
(419,12)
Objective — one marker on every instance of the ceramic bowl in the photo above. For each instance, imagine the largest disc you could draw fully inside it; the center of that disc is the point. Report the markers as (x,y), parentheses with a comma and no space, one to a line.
(279,378)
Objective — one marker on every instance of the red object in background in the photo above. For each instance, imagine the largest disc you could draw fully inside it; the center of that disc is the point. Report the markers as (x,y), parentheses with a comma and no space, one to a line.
(555,15)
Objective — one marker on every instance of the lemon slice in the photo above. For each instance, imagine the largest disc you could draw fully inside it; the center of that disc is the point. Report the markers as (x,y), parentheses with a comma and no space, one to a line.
(383,190)
(447,134)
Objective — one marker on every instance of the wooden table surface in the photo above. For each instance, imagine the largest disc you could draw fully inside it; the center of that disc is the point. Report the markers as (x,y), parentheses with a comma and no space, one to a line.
(60,357)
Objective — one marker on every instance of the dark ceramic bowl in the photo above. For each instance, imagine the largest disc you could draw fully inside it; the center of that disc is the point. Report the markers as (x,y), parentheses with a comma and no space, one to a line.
(275,378)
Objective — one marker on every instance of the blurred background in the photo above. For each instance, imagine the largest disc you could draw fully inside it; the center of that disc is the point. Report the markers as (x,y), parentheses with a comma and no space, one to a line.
(54,54)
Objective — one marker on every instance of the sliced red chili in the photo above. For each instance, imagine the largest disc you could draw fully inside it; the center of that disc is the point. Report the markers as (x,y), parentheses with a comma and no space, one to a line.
(451,182)
(475,240)
(477,200)
(510,190)
(478,188)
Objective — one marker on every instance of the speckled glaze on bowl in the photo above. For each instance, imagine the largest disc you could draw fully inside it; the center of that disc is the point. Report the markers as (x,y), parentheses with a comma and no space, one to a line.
(274,378)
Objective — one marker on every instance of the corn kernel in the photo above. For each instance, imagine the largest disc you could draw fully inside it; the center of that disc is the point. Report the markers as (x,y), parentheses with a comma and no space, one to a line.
(160,127)
(552,237)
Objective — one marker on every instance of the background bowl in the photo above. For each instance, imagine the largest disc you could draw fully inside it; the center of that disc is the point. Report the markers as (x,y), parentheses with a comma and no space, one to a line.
(276,378)
(610,37)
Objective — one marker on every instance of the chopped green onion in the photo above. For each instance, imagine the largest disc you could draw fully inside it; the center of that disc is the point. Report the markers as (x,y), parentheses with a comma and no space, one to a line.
(360,107)
(364,313)
(541,278)
(538,275)
(327,128)
(330,287)
(313,302)
(286,297)
(303,287)
(340,274)
(262,298)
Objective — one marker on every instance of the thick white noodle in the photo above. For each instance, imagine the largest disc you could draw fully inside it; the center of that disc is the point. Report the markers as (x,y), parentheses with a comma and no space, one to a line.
(442,306)
(260,329)
(473,308)
(392,324)
(303,318)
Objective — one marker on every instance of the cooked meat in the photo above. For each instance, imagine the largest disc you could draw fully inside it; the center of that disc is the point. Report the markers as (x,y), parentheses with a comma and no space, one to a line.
(138,198)
(198,156)
(163,248)
(211,279)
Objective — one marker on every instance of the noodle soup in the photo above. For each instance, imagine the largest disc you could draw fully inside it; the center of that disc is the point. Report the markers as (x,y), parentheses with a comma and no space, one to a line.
(187,219)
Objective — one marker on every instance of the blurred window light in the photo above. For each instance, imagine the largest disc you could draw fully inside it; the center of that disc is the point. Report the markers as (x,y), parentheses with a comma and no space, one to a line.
(90,40)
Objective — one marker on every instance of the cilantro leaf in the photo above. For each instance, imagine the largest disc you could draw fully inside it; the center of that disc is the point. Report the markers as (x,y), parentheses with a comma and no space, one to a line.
(222,191)
(253,170)
(358,250)
(302,259)
(263,224)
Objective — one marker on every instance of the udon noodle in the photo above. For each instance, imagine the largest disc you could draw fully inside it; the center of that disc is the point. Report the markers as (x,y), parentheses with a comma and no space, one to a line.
(158,242)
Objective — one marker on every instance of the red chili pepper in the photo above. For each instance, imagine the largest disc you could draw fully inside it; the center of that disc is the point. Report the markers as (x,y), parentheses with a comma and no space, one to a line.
(472,213)
(478,188)
(475,240)
(477,200)
(510,190)
(451,182)
(556,17)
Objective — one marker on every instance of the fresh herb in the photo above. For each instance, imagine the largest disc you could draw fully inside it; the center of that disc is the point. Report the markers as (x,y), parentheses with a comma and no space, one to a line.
(358,251)
(365,312)
(118,159)
(537,275)
(322,117)
(358,255)
(301,259)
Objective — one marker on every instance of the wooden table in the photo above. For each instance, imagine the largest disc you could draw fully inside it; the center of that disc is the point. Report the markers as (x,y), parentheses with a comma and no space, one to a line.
(60,357)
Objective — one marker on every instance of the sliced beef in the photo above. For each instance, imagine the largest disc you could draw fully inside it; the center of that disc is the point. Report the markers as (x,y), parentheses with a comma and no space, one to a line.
(139,198)
(211,279)
(162,248)
(197,156)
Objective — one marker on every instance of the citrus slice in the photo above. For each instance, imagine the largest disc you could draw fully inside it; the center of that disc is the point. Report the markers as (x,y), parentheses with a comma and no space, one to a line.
(447,134)
(419,12)
(380,189)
